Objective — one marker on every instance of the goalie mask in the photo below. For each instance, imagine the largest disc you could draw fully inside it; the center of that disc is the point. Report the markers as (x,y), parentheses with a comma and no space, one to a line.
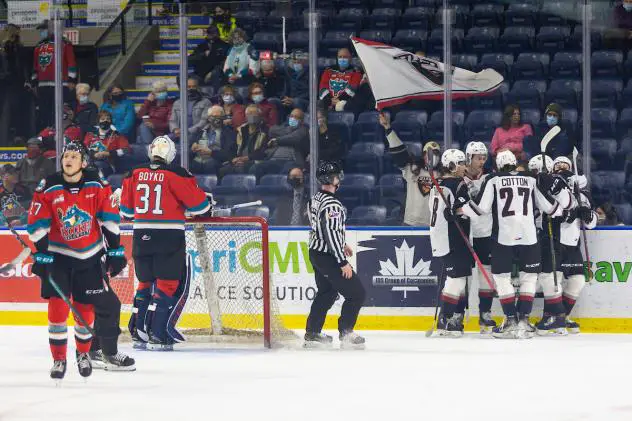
(452,159)
(162,148)
(535,164)
(474,148)
(506,159)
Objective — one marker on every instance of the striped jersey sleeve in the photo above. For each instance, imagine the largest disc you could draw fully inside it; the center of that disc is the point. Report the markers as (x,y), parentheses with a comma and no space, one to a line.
(327,219)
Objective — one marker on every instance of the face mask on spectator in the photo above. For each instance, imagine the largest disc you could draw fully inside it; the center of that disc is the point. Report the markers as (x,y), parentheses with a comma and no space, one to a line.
(343,62)
(238,42)
(257,98)
(295,182)
(298,67)
(43,34)
(65,116)
(293,122)
(118,97)
(33,153)
(216,122)
(105,125)
(228,99)
(161,96)
(627,7)
(551,120)
(253,119)
(83,99)
(194,94)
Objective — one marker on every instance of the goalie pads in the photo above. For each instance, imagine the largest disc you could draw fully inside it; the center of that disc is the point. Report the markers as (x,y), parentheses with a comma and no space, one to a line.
(136,323)
(182,295)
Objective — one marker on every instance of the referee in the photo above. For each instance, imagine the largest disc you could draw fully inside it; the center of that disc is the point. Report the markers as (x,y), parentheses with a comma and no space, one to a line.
(334,275)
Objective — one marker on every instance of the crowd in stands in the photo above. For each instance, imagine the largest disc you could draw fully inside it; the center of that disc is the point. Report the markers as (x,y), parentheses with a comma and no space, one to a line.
(247,107)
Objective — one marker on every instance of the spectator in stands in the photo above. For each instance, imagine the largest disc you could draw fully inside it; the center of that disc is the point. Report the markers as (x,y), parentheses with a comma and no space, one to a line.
(155,113)
(43,78)
(234,113)
(607,215)
(34,166)
(269,113)
(273,82)
(296,92)
(329,142)
(209,57)
(288,144)
(252,139)
(197,112)
(242,63)
(293,209)
(72,131)
(106,146)
(224,22)
(13,74)
(215,145)
(619,36)
(340,83)
(363,100)
(15,198)
(86,113)
(511,133)
(562,144)
(122,110)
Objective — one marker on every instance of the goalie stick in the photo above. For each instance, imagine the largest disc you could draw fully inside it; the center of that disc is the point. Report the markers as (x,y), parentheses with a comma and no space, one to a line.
(555,130)
(578,198)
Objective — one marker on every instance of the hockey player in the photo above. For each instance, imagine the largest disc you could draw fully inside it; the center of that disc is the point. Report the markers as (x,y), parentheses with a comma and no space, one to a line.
(156,196)
(476,156)
(451,249)
(511,197)
(333,274)
(70,217)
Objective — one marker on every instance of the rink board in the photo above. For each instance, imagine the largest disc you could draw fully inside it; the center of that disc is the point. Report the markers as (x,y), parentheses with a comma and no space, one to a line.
(394,265)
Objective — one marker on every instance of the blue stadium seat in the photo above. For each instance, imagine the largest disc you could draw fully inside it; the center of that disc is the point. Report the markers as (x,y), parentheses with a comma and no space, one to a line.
(624,210)
(414,148)
(411,39)
(326,17)
(465,61)
(236,184)
(272,185)
(298,40)
(604,152)
(367,128)
(500,62)
(206,182)
(324,62)
(357,190)
(552,39)
(139,152)
(365,158)
(368,215)
(526,93)
(434,128)
(228,199)
(343,122)
(606,92)
(115,180)
(261,211)
(480,124)
(608,180)
(435,42)
(425,3)
(417,18)
(627,66)
(607,64)
(603,122)
(384,18)
(566,65)
(626,144)
(481,39)
(350,18)
(383,36)
(409,125)
(530,115)
(420,117)
(250,20)
(517,39)
(557,13)
(487,14)
(627,93)
(624,125)
(267,40)
(395,4)
(334,40)
(274,21)
(394,217)
(521,14)
(565,92)
(490,101)
(574,42)
(459,19)
(531,66)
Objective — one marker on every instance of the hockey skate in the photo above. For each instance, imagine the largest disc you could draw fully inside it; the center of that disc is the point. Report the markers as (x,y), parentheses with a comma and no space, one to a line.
(84,364)
(317,341)
(508,329)
(58,371)
(551,325)
(452,327)
(155,344)
(525,328)
(119,362)
(97,360)
(486,323)
(572,326)
(351,340)
(138,342)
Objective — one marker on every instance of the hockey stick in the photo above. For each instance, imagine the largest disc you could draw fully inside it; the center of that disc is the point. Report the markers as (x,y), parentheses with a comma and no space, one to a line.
(555,130)
(440,284)
(578,197)
(479,264)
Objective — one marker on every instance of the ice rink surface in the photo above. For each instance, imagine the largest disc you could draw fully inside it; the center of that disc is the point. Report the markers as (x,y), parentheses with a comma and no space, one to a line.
(400,376)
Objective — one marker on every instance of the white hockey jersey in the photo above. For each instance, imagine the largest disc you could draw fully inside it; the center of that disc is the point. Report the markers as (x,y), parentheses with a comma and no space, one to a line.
(570,232)
(444,235)
(512,198)
(481,225)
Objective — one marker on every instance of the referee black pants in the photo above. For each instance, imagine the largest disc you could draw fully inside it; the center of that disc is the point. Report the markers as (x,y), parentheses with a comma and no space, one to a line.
(330,283)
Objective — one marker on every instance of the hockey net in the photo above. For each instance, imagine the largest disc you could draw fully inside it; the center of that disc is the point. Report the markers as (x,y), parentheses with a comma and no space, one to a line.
(229,297)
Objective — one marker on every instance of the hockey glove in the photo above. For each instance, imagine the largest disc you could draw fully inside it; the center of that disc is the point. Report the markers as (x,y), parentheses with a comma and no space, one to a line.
(549,183)
(585,214)
(448,215)
(570,216)
(115,261)
(42,262)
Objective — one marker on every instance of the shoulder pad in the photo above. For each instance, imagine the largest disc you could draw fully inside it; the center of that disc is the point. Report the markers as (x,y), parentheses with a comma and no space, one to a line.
(92,174)
(182,172)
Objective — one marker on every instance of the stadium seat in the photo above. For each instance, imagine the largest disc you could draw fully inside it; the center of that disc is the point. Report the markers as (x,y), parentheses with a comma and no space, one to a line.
(425,3)
(383,36)
(603,122)
(574,42)
(552,39)
(500,62)
(227,199)
(465,61)
(459,19)
(526,93)
(395,4)
(565,92)
(416,18)
(521,14)
(420,117)
(333,41)
(530,115)
(236,184)
(139,152)
(606,92)
(326,14)
(250,20)
(409,125)
(434,128)
(414,148)
(272,184)
(115,180)
(624,210)
(481,39)
(357,190)
(411,39)
(367,215)
(487,14)
(324,62)
(206,182)
(604,152)
(365,158)
(566,65)
(349,18)
(261,211)
(624,125)
(557,13)
(367,128)
(607,64)
(384,18)
(298,40)
(490,101)
(274,21)
(627,67)
(517,39)
(531,66)
(343,122)
(480,124)
(435,42)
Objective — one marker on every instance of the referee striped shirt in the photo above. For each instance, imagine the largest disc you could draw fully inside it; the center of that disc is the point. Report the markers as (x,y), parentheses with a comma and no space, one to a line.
(327,220)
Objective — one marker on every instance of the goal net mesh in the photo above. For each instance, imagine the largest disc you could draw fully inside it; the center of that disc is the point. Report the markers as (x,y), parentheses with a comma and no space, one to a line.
(229,295)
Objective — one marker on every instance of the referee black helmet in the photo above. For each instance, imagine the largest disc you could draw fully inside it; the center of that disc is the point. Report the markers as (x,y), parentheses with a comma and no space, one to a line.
(327,170)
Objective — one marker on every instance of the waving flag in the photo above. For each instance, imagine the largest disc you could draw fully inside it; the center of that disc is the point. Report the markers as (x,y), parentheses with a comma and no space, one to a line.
(397,76)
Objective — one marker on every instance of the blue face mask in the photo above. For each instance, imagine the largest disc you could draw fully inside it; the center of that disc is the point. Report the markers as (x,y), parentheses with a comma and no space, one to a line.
(298,67)
(551,120)
(343,63)
(43,34)
(257,98)
(627,7)
(292,122)
(161,96)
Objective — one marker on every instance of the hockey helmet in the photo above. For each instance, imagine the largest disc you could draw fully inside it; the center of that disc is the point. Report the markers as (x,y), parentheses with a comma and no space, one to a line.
(562,160)
(162,147)
(506,159)
(535,163)
(475,148)
(451,158)
(72,145)
(327,170)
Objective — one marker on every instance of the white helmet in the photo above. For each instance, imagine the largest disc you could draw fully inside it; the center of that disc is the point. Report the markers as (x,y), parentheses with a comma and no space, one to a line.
(535,163)
(451,158)
(162,147)
(475,148)
(505,158)
(562,160)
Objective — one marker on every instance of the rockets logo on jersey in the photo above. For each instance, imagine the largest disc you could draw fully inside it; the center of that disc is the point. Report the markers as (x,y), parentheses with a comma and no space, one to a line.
(11,207)
(97,146)
(75,223)
(45,57)
(425,185)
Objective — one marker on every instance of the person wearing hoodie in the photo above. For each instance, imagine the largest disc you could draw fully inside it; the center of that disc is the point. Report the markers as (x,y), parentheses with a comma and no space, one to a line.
(105,145)
(562,144)
(296,91)
(121,109)
(339,84)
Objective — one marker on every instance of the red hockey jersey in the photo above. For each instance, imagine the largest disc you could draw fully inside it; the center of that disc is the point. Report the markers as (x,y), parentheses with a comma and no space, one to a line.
(73,215)
(338,83)
(44,63)
(157,197)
